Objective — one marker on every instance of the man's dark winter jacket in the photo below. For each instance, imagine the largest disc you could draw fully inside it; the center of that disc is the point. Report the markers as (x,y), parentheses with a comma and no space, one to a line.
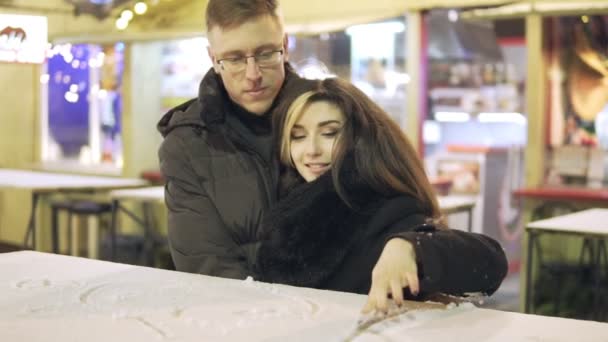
(313,239)
(217,184)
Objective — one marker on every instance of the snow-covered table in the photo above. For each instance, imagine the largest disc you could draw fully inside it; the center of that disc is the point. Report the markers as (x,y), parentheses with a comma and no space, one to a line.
(49,297)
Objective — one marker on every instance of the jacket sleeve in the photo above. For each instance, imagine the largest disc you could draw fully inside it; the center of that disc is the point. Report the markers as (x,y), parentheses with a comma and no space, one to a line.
(456,262)
(198,239)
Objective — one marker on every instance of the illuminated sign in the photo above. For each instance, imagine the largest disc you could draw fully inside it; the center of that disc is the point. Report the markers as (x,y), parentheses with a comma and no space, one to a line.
(23,38)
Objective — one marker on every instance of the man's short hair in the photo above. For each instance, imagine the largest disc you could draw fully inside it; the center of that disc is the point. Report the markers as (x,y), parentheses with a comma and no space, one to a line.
(231,13)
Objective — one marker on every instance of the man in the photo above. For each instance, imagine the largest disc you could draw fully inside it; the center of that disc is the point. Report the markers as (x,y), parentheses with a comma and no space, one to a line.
(217,153)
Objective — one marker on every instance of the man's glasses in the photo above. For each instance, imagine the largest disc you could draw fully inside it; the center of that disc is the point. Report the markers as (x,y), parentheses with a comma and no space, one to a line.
(263,60)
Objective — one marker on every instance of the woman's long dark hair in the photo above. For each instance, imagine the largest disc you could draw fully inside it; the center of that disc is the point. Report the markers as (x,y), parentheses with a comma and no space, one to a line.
(384,157)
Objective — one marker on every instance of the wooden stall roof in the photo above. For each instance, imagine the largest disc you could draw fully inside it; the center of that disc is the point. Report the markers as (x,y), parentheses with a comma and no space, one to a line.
(543,7)
(173,18)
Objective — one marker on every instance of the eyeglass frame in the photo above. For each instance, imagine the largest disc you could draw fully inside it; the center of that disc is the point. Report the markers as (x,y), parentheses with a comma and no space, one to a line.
(245,60)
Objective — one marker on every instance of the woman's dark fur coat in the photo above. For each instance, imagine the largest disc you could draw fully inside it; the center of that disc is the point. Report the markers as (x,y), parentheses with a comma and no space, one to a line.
(313,239)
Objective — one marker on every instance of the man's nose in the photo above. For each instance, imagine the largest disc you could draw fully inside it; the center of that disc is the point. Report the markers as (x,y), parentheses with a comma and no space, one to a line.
(252,70)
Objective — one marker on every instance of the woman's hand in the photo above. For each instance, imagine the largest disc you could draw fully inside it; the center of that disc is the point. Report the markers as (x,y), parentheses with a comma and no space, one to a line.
(395,270)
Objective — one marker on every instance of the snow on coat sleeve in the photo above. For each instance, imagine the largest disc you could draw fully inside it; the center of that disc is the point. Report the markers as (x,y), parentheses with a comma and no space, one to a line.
(198,240)
(455,262)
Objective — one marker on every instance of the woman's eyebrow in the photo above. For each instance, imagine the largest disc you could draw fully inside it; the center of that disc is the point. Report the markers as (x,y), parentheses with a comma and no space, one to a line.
(328,122)
(320,124)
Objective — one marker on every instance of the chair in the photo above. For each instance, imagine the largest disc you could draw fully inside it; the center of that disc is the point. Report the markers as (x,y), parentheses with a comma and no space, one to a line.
(80,208)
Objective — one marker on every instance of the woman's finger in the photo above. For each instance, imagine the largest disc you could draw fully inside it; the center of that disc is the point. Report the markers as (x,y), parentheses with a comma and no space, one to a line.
(413,282)
(379,293)
(382,301)
(369,305)
(372,297)
(397,291)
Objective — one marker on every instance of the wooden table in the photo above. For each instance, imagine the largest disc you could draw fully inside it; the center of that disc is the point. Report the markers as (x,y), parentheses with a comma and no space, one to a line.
(146,196)
(561,193)
(46,183)
(452,204)
(150,193)
(50,297)
(591,224)
(564,198)
(153,176)
(156,194)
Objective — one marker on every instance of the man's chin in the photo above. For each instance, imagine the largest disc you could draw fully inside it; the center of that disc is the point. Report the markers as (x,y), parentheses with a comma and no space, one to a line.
(257,108)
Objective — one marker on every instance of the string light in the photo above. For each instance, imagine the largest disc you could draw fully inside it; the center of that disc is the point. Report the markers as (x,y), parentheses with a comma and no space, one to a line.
(71,97)
(453,15)
(122,23)
(140,8)
(127,14)
(68,57)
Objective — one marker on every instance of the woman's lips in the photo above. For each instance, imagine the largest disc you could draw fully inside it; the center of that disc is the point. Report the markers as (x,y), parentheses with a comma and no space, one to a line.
(318,168)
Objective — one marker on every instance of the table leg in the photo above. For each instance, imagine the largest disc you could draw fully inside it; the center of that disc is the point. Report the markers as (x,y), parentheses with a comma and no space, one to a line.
(93,238)
(114,222)
(470,220)
(529,266)
(603,273)
(55,229)
(74,226)
(148,242)
(31,226)
(600,250)
(588,252)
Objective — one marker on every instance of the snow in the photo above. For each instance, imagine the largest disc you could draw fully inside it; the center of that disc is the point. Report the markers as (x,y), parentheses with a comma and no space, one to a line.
(76,299)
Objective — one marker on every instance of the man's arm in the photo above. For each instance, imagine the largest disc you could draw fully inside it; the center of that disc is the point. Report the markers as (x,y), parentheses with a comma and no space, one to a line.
(198,239)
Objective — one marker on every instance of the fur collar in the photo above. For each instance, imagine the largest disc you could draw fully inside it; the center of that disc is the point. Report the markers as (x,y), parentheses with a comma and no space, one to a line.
(309,232)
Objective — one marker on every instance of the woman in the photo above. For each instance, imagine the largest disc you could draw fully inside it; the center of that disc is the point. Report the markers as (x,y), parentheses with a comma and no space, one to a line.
(358,214)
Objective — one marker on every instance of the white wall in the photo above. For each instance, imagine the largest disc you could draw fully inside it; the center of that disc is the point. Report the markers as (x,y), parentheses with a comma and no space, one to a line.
(18,141)
(142,108)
